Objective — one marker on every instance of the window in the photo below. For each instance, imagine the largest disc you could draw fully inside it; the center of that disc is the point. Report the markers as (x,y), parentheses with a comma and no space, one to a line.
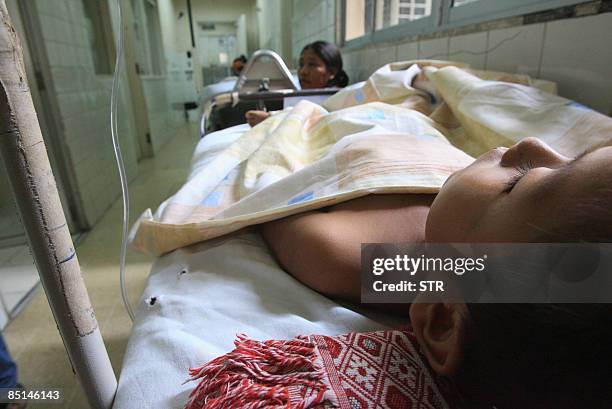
(369,15)
(359,18)
(367,21)
(397,11)
(465,12)
(99,34)
(462,2)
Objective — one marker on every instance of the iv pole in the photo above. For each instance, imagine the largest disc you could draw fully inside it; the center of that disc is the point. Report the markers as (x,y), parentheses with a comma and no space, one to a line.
(23,151)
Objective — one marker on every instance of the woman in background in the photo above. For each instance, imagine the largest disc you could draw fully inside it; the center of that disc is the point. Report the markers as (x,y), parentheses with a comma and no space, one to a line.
(238,65)
(320,67)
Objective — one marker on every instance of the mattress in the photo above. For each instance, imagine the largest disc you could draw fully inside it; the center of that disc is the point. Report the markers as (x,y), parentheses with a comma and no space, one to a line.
(198,298)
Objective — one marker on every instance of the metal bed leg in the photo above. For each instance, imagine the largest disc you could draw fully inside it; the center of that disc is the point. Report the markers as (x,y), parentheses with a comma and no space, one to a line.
(23,151)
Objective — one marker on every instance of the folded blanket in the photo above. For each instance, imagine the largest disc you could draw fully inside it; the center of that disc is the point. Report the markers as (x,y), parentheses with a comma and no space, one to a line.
(373,370)
(481,114)
(300,160)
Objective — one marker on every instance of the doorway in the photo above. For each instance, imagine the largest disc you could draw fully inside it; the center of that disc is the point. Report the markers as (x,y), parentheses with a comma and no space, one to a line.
(217,48)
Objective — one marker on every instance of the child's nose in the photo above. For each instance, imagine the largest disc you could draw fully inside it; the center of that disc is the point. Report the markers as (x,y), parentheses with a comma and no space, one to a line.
(533,150)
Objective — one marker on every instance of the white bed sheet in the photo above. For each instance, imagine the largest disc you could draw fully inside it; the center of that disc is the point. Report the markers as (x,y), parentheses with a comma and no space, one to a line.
(207,293)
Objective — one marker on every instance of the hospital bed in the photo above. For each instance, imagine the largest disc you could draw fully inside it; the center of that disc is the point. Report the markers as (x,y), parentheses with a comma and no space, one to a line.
(265,84)
(199,296)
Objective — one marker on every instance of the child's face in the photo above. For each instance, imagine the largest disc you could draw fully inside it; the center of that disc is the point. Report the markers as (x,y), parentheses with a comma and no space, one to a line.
(515,194)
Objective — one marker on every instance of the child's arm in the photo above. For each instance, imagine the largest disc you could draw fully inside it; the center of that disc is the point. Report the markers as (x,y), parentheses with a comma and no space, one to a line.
(323,249)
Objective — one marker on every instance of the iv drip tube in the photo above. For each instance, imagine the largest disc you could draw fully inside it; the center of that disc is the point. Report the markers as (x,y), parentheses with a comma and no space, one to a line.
(120,165)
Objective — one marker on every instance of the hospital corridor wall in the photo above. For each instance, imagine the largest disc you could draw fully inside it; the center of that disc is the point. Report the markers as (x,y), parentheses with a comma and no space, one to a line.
(573,52)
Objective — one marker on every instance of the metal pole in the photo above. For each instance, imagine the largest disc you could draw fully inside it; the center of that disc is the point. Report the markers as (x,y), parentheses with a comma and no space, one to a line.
(23,151)
(189,12)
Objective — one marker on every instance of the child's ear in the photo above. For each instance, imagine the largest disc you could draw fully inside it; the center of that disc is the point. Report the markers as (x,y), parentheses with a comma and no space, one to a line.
(440,329)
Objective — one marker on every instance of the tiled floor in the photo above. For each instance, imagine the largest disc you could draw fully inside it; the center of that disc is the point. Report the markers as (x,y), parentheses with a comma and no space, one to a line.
(18,277)
(33,338)
(9,224)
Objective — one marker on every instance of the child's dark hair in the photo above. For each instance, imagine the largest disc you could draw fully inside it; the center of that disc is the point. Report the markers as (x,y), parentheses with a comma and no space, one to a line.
(549,355)
(589,220)
(538,356)
(330,55)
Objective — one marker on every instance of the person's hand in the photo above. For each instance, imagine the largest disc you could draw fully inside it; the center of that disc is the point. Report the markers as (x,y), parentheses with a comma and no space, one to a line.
(422,83)
(255,117)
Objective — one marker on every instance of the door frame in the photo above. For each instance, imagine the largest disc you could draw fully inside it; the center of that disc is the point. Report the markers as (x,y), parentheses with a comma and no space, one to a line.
(139,103)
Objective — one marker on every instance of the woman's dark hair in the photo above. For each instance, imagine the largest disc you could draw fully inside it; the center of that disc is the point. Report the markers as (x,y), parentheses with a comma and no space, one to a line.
(330,55)
(241,58)
(538,356)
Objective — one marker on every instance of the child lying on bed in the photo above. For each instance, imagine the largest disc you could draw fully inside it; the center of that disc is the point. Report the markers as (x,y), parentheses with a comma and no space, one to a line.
(507,355)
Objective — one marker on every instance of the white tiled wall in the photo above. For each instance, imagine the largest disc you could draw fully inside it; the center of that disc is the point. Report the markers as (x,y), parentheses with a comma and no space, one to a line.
(407,51)
(435,49)
(177,87)
(359,64)
(312,20)
(575,53)
(158,108)
(4,318)
(84,100)
(476,43)
(18,278)
(269,15)
(384,53)
(516,49)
